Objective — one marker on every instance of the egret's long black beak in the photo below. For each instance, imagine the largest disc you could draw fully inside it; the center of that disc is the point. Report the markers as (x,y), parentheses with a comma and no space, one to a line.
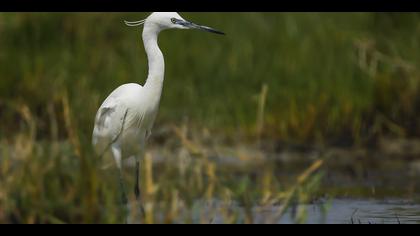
(195,26)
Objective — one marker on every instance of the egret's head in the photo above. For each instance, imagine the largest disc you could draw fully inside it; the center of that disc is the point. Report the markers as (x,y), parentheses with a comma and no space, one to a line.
(170,20)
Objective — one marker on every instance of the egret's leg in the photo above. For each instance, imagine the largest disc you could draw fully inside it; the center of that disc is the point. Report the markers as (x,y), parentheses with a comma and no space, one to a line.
(116,151)
(137,184)
(137,174)
(124,198)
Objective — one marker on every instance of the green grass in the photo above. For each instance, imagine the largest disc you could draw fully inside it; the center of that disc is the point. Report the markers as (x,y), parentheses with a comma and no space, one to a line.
(339,79)
(51,182)
(317,89)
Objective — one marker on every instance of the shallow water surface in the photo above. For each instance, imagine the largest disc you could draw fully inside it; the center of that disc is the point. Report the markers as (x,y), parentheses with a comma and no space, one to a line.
(348,211)
(357,182)
(335,211)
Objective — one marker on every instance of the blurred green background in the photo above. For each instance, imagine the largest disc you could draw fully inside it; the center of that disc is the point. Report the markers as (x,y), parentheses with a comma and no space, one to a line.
(330,77)
(339,79)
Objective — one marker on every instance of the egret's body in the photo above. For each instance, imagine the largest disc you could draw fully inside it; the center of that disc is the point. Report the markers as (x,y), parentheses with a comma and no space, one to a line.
(124,121)
(127,104)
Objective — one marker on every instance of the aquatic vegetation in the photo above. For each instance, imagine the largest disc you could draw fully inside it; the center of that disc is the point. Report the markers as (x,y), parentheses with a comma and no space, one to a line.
(320,81)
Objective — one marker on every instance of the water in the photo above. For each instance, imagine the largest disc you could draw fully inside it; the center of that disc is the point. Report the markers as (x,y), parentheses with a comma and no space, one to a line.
(359,180)
(336,211)
(351,211)
(344,211)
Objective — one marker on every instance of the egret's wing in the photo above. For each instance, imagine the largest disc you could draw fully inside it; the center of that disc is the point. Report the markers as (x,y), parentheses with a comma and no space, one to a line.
(117,114)
(109,122)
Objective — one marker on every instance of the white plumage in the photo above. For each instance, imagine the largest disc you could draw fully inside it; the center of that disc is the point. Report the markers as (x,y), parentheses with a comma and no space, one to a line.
(125,119)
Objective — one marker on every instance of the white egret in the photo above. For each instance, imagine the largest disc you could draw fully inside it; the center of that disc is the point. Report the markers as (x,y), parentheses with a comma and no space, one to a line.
(124,121)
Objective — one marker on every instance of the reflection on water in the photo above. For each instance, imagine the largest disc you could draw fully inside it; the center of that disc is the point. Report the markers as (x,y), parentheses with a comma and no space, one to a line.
(345,211)
(358,179)
(336,211)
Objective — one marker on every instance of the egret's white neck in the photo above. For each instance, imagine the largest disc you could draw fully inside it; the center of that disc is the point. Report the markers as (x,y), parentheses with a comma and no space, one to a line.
(155,58)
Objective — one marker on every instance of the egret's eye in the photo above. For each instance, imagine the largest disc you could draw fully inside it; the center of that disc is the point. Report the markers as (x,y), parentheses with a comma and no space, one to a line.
(173,20)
